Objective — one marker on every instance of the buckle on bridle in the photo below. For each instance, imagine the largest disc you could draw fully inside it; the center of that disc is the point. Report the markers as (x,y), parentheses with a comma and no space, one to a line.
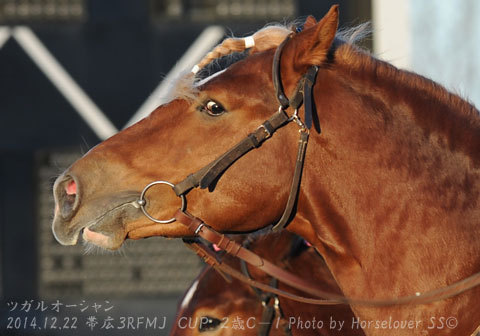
(267,132)
(199,228)
(298,121)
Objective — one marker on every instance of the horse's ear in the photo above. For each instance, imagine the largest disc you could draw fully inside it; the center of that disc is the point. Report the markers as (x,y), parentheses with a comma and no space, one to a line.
(315,41)
(309,22)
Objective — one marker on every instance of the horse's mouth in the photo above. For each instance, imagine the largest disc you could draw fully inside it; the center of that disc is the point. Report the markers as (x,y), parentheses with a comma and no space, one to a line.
(101,234)
(104,228)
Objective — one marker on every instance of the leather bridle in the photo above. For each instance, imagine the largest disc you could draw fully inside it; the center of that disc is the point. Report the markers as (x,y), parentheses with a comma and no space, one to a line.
(207,176)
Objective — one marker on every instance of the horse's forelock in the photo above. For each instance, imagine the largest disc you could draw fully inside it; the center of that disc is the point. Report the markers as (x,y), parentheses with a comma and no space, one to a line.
(183,87)
(230,51)
(266,38)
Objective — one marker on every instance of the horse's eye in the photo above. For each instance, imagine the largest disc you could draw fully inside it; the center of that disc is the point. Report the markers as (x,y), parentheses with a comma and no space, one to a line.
(208,323)
(213,108)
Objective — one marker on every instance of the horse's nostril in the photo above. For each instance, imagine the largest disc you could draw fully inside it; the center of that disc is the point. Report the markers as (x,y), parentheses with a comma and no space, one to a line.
(66,196)
(71,188)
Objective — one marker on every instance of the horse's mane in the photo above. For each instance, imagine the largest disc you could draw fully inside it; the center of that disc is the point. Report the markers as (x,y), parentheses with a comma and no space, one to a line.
(356,62)
(432,105)
(363,62)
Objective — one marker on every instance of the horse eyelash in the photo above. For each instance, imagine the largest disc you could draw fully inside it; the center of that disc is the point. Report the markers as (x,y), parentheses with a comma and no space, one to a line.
(203,107)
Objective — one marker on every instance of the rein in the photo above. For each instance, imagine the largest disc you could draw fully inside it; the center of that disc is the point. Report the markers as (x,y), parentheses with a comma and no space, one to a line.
(236,250)
(207,176)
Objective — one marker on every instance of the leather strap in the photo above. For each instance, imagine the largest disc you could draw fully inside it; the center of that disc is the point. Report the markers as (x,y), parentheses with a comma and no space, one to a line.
(244,268)
(199,228)
(308,101)
(231,247)
(269,310)
(208,174)
(270,302)
(289,211)
(303,92)
(277,80)
(268,315)
(211,259)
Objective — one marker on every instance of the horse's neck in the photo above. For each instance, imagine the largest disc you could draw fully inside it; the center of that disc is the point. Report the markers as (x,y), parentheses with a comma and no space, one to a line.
(396,209)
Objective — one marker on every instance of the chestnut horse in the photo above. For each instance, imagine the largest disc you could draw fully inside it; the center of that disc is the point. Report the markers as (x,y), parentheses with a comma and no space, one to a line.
(222,308)
(390,194)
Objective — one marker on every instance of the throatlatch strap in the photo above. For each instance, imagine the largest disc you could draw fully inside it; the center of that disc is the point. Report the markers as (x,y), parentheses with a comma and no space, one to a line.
(295,187)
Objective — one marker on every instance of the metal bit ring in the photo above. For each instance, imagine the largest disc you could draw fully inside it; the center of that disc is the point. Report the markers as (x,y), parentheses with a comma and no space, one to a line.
(142,202)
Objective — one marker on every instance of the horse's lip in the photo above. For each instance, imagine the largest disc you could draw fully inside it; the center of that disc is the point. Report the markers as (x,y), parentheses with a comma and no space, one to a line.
(96,224)
(98,238)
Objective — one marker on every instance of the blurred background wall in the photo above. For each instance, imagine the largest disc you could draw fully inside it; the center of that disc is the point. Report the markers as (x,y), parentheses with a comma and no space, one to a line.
(73,72)
(438,39)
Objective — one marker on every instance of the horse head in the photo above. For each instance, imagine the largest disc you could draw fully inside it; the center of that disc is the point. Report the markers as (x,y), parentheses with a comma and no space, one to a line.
(98,193)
